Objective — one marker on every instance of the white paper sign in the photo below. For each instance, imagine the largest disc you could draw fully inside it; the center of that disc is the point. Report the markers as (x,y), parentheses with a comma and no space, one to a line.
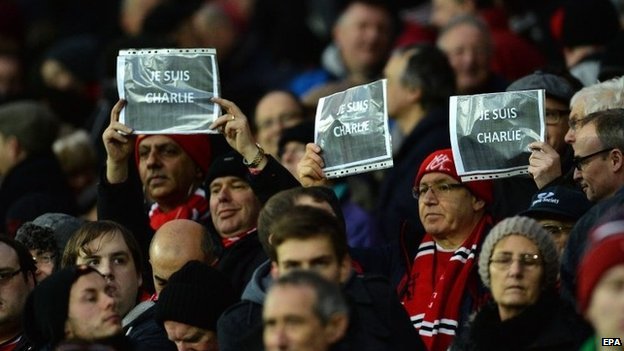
(490,133)
(168,91)
(352,130)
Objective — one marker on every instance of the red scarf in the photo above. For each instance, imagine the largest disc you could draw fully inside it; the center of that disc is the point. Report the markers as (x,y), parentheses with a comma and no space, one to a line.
(434,305)
(196,208)
(231,240)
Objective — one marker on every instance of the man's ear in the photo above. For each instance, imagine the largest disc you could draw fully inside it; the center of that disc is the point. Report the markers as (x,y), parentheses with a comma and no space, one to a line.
(617,160)
(477,204)
(415,94)
(14,147)
(336,328)
(274,270)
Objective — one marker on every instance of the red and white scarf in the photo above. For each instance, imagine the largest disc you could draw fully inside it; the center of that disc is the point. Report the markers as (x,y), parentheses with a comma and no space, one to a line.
(434,305)
(196,208)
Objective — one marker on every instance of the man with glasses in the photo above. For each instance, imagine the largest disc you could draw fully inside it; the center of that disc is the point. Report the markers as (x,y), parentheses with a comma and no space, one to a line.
(557,208)
(276,111)
(599,169)
(549,159)
(441,286)
(17,280)
(41,243)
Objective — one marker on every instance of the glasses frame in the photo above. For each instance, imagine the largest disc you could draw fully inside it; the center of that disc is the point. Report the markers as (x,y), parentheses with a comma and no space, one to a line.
(579,161)
(557,113)
(524,261)
(441,188)
(556,230)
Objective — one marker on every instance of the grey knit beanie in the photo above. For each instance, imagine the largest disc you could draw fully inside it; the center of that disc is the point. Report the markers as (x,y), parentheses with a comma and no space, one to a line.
(533,231)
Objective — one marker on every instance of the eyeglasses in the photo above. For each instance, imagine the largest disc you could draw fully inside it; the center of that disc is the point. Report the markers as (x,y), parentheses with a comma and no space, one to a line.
(580,161)
(44,259)
(504,260)
(575,123)
(283,119)
(6,276)
(438,189)
(557,230)
(554,116)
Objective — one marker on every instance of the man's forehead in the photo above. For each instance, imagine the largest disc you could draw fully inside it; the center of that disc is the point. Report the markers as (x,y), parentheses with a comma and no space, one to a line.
(156,140)
(435,177)
(227,180)
(105,240)
(8,256)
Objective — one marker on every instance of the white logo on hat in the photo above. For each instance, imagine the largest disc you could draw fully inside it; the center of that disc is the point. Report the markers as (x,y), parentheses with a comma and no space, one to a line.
(439,163)
(546,197)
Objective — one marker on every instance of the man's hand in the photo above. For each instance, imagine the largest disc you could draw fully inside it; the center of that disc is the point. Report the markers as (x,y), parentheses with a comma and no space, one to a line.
(235,127)
(310,168)
(119,144)
(544,163)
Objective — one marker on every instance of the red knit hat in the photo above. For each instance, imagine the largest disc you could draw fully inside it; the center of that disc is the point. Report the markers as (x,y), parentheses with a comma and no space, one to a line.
(197,146)
(605,251)
(441,161)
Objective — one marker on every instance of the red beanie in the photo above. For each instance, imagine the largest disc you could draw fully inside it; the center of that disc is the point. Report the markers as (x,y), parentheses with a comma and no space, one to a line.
(197,146)
(605,251)
(441,161)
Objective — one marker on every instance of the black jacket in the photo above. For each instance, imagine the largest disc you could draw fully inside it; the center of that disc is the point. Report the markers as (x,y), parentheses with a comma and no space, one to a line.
(550,325)
(377,321)
(147,334)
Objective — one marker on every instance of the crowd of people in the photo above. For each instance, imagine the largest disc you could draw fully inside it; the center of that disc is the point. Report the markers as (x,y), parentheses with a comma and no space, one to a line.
(236,240)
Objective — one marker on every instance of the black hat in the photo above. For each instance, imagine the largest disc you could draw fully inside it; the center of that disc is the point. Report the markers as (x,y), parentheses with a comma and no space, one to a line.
(302,132)
(196,295)
(556,86)
(559,201)
(47,307)
(228,164)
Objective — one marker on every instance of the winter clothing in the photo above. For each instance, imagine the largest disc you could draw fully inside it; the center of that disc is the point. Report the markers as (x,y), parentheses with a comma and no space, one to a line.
(576,244)
(197,146)
(531,230)
(604,252)
(549,324)
(196,295)
(442,161)
(558,201)
(143,330)
(395,204)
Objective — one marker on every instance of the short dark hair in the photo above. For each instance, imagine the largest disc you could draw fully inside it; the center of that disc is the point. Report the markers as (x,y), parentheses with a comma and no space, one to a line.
(304,222)
(90,231)
(40,239)
(26,261)
(428,68)
(329,298)
(609,127)
(33,125)
(279,204)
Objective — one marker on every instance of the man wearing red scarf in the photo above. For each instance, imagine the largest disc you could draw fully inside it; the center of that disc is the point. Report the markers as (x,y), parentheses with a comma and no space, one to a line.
(442,287)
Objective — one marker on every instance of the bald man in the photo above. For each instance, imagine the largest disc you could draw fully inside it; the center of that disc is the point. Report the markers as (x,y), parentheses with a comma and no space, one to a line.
(176,243)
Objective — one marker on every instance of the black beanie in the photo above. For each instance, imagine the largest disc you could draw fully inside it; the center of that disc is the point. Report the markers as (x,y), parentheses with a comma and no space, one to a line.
(228,164)
(196,295)
(302,132)
(47,307)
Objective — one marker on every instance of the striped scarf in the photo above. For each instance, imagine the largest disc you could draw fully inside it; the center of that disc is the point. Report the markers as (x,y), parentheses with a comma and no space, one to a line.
(196,208)
(434,306)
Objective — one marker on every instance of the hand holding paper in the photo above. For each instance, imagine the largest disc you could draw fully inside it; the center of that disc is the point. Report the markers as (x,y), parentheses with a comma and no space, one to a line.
(235,127)
(119,144)
(544,163)
(310,168)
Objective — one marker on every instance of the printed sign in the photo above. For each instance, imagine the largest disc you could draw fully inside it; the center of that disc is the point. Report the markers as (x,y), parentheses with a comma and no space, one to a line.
(352,130)
(490,133)
(168,91)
